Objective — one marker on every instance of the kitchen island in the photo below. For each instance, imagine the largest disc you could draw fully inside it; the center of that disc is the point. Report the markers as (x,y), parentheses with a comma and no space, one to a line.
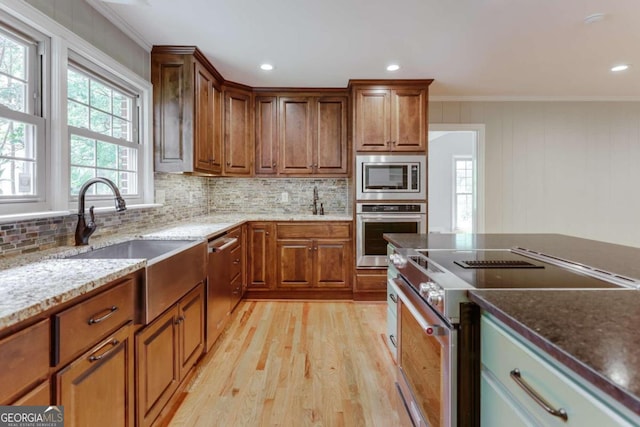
(591,335)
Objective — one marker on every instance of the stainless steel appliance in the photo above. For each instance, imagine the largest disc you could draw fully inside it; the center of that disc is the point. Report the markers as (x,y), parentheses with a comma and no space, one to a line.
(375,219)
(219,296)
(438,328)
(391,177)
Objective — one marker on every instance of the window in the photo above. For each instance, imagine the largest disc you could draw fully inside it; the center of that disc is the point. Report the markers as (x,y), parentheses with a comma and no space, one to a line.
(22,127)
(463,197)
(103,134)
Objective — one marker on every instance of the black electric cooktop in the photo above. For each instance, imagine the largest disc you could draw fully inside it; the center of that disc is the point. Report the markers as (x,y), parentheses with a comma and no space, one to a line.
(503,269)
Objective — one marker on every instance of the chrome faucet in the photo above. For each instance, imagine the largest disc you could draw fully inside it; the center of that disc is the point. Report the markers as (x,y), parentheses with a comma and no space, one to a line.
(84,230)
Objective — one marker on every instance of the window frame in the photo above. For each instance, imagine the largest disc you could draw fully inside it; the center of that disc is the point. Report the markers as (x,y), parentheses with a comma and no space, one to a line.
(38,83)
(61,42)
(454,210)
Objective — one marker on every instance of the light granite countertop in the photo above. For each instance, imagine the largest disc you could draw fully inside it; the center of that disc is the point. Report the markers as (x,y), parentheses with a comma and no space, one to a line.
(33,283)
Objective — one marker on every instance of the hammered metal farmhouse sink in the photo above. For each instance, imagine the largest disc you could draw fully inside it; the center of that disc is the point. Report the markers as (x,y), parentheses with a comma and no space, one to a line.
(173,268)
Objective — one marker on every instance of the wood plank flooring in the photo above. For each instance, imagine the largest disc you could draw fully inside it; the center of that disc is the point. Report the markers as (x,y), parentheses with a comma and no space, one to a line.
(297,364)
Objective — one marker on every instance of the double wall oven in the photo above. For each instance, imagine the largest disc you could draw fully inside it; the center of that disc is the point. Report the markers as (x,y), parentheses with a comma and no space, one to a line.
(438,329)
(391,195)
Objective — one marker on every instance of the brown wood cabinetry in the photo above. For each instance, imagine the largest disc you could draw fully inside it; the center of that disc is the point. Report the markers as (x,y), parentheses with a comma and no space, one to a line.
(165,351)
(261,255)
(40,395)
(97,389)
(25,361)
(301,134)
(320,260)
(187,111)
(390,116)
(370,284)
(238,138)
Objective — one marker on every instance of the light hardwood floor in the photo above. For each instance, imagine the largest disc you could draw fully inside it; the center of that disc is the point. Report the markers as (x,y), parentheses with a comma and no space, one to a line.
(297,364)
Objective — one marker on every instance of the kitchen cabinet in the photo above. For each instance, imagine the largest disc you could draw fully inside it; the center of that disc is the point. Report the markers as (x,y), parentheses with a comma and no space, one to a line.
(97,389)
(390,117)
(187,111)
(261,255)
(510,365)
(95,346)
(238,282)
(25,359)
(238,138)
(165,352)
(370,284)
(313,255)
(301,134)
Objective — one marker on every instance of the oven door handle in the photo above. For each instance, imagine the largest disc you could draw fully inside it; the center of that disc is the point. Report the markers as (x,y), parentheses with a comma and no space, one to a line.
(396,217)
(427,328)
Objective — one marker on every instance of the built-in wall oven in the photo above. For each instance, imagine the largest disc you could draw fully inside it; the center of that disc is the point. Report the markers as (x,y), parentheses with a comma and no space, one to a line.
(375,219)
(391,177)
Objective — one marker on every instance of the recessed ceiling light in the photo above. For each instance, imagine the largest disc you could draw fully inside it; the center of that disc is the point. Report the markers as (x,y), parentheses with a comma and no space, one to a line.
(266,67)
(594,17)
(393,67)
(620,67)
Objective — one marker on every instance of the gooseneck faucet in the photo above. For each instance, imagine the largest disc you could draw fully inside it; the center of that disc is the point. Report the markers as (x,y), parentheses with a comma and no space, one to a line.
(84,230)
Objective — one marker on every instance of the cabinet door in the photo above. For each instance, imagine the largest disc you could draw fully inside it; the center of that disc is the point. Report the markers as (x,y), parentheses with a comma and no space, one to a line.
(191,331)
(261,255)
(97,389)
(238,144)
(330,135)
(38,396)
(157,365)
(266,123)
(295,140)
(409,120)
(372,120)
(204,121)
(332,266)
(294,264)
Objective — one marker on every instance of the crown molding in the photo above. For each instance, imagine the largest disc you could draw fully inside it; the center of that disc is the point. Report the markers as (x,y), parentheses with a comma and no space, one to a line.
(103,9)
(436,98)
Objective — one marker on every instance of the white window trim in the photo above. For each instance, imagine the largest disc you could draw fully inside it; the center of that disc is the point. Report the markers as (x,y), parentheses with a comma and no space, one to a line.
(454,198)
(62,41)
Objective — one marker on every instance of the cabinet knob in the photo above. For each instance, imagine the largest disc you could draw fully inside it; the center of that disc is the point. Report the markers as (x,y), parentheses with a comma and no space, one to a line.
(310,248)
(273,165)
(228,163)
(266,233)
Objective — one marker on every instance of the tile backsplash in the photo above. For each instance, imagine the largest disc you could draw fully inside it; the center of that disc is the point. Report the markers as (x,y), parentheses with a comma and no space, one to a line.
(185,197)
(278,195)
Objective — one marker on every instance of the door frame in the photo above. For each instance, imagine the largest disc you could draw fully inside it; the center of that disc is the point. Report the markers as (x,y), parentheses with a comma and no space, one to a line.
(479,161)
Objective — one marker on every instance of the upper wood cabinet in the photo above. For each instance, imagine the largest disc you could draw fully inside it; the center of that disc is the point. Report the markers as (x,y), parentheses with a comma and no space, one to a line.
(301,134)
(238,138)
(390,116)
(187,111)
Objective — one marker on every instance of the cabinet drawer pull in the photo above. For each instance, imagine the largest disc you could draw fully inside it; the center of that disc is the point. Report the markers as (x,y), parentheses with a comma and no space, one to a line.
(392,338)
(273,165)
(110,312)
(394,298)
(94,358)
(517,377)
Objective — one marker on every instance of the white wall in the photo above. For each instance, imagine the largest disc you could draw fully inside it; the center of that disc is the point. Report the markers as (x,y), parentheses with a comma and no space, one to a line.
(441,153)
(560,167)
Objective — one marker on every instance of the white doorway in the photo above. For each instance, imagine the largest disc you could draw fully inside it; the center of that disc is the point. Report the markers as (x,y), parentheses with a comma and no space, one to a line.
(455,179)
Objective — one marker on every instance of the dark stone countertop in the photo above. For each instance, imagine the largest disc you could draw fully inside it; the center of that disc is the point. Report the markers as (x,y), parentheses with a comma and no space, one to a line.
(623,260)
(594,333)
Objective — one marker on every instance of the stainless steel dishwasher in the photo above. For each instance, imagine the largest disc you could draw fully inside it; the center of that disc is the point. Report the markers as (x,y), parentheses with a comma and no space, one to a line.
(218,286)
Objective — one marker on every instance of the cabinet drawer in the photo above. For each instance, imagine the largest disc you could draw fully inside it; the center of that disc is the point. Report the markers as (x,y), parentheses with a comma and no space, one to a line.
(82,325)
(25,359)
(329,230)
(236,232)
(392,300)
(235,268)
(371,282)
(503,352)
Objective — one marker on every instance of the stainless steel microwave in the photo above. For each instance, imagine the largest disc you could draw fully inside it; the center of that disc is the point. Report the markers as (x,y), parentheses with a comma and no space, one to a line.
(391,177)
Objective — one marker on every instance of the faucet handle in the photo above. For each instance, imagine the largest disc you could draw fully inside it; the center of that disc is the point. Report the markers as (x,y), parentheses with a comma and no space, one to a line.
(92,221)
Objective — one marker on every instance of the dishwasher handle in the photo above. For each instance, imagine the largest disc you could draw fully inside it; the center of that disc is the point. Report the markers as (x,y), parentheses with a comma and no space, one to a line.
(221,244)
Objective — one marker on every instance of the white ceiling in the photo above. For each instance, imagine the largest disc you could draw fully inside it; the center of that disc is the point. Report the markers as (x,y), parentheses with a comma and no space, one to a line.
(472,48)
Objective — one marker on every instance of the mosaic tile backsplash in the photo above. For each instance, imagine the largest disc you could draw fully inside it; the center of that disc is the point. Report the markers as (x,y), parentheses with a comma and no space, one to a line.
(185,197)
(261,195)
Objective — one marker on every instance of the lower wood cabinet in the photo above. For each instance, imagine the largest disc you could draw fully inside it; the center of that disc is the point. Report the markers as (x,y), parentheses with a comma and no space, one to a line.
(40,395)
(25,362)
(97,389)
(300,259)
(165,352)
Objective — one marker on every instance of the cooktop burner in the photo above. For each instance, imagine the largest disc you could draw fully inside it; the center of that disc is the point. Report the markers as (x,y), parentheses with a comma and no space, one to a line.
(497,264)
(504,269)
